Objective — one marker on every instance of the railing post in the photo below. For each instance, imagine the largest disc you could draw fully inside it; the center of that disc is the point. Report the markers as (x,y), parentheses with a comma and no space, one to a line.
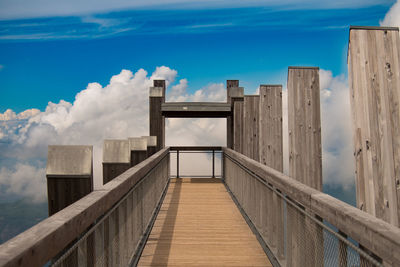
(138,147)
(177,163)
(213,164)
(116,158)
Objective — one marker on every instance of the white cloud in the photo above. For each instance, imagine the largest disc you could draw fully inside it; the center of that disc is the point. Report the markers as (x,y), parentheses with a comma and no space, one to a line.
(392,18)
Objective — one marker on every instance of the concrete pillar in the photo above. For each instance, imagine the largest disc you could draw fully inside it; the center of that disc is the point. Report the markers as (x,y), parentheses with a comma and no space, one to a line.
(251,126)
(69,175)
(157,121)
(229,120)
(271,141)
(116,158)
(237,98)
(138,148)
(151,145)
(374,79)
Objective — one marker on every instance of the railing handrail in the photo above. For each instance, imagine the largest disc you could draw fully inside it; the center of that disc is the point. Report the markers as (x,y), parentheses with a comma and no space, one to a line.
(45,240)
(382,238)
(196,148)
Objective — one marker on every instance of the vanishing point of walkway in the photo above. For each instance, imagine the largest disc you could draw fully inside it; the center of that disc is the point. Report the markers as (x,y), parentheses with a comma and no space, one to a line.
(200,225)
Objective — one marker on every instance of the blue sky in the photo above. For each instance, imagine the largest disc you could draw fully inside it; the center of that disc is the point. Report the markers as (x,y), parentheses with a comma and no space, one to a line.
(78,70)
(48,58)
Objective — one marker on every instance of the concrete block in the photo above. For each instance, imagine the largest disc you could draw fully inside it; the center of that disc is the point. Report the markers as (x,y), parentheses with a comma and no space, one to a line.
(116,151)
(156,92)
(236,92)
(151,140)
(137,144)
(70,161)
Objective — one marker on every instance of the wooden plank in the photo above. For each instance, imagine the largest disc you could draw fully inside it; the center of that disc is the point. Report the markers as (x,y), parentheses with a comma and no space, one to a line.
(196,110)
(305,161)
(238,126)
(271,140)
(229,119)
(250,126)
(156,119)
(374,67)
(199,225)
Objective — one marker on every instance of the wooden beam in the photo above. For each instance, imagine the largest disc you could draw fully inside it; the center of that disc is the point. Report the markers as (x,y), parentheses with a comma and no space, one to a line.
(229,120)
(304,118)
(116,158)
(156,119)
(69,175)
(195,110)
(138,148)
(250,126)
(271,141)
(374,78)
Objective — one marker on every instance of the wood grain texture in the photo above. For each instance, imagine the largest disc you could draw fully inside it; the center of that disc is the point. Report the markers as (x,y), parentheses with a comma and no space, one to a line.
(112,170)
(238,126)
(250,126)
(304,118)
(156,120)
(229,119)
(271,140)
(199,225)
(374,78)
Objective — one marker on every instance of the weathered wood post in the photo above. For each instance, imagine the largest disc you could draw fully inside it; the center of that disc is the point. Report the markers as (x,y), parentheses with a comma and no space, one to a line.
(271,154)
(151,145)
(251,112)
(138,148)
(116,158)
(305,161)
(229,120)
(69,175)
(374,79)
(236,94)
(271,141)
(157,121)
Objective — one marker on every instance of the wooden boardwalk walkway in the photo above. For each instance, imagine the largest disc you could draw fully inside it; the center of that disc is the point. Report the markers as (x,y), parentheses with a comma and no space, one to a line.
(200,225)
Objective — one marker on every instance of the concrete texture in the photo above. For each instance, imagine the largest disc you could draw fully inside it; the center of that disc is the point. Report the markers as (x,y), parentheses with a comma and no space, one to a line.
(235,92)
(70,161)
(156,92)
(116,151)
(137,144)
(151,140)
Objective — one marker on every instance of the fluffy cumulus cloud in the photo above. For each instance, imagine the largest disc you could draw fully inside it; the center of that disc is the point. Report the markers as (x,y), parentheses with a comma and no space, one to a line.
(392,18)
(117,110)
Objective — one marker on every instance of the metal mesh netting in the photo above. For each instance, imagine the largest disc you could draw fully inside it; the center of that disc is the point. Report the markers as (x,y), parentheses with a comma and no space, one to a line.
(293,235)
(114,238)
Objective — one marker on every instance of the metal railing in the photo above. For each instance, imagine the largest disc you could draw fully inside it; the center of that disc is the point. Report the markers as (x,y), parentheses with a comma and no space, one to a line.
(212,150)
(299,226)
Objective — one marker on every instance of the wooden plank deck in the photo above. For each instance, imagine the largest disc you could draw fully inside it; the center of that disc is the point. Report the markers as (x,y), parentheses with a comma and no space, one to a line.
(200,225)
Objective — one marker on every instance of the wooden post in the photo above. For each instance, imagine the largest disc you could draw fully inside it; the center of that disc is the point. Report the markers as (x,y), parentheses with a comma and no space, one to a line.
(237,96)
(271,141)
(138,148)
(157,121)
(374,79)
(151,145)
(305,161)
(116,158)
(250,126)
(69,175)
(229,120)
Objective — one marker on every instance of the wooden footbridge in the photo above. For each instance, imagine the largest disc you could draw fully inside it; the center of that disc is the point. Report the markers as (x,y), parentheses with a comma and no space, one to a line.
(247,212)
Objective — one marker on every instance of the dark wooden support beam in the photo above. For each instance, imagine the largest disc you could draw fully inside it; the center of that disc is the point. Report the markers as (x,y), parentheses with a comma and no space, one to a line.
(157,120)
(116,158)
(138,148)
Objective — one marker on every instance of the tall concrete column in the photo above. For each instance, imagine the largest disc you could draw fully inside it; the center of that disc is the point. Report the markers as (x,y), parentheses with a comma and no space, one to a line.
(116,158)
(157,121)
(271,141)
(237,98)
(138,148)
(374,79)
(69,175)
(229,120)
(251,116)
(151,145)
